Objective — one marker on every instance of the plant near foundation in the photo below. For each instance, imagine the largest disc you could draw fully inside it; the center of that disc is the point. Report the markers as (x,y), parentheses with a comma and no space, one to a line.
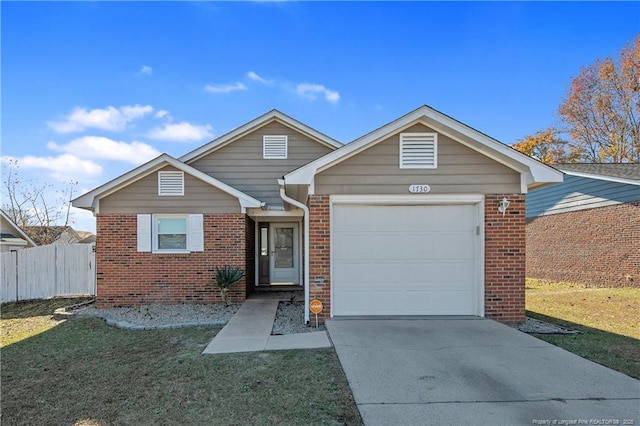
(226,277)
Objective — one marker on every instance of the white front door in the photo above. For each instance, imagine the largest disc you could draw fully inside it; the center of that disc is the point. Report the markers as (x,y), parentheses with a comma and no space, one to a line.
(284,259)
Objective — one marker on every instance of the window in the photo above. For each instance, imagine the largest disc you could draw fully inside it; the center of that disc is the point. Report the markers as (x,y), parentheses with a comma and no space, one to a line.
(418,150)
(171,183)
(274,147)
(170,233)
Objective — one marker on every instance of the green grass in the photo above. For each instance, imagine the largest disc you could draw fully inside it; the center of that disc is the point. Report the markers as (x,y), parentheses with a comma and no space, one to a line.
(21,320)
(83,372)
(607,318)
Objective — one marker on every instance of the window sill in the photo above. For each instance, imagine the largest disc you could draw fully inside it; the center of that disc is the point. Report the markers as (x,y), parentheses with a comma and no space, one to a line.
(171,252)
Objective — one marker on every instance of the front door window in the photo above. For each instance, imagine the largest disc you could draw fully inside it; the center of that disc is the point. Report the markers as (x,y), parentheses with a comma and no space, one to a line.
(284,248)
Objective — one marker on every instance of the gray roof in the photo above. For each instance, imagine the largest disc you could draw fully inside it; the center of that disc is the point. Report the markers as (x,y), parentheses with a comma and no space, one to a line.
(617,170)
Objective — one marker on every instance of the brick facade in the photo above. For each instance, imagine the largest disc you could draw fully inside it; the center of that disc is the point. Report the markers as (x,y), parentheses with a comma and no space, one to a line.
(504,257)
(319,253)
(126,277)
(597,247)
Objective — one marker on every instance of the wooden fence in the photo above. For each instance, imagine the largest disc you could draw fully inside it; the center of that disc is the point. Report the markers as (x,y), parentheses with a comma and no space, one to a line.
(47,271)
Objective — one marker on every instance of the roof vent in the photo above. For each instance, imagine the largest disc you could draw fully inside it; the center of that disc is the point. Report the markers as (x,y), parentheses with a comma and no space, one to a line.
(274,147)
(171,183)
(418,150)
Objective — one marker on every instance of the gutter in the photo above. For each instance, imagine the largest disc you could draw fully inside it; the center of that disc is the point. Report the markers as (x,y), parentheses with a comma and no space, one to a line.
(306,244)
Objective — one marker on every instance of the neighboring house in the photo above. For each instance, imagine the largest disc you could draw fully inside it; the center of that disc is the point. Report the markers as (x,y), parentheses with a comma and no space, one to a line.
(12,238)
(409,219)
(587,229)
(44,235)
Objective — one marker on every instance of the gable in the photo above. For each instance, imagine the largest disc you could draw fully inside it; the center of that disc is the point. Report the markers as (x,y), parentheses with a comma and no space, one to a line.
(242,165)
(142,196)
(377,170)
(532,172)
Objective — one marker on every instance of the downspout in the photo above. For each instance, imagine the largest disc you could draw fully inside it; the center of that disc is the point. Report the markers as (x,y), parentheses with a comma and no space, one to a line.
(302,206)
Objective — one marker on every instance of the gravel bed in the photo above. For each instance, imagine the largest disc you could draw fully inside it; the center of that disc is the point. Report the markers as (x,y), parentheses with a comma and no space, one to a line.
(290,319)
(162,316)
(532,325)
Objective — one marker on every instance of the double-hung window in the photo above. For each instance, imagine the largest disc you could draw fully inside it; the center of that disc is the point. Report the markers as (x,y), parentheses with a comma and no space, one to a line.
(170,233)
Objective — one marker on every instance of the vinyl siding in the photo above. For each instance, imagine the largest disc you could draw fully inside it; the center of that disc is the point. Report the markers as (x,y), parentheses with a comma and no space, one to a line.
(240,163)
(376,171)
(579,193)
(142,197)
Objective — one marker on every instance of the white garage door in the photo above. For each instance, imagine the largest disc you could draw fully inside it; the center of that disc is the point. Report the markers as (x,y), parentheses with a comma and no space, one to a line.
(405,260)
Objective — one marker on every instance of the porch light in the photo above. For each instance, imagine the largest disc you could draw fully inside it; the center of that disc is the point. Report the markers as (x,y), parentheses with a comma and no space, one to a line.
(503,205)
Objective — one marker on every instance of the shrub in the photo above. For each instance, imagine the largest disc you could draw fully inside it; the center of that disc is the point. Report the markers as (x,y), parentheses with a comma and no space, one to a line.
(226,277)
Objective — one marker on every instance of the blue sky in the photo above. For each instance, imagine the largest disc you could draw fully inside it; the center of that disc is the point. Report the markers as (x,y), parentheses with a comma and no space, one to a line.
(93,89)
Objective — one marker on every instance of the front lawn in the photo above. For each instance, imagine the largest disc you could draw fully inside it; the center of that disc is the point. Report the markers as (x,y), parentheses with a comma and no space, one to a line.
(82,372)
(607,318)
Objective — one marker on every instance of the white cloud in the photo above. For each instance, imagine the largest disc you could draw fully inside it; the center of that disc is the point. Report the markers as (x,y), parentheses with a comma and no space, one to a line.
(145,70)
(163,113)
(225,88)
(311,92)
(101,148)
(109,118)
(64,167)
(181,132)
(255,77)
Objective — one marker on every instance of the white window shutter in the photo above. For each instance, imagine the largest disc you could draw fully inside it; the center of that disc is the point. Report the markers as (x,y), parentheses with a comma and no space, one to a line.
(144,232)
(196,232)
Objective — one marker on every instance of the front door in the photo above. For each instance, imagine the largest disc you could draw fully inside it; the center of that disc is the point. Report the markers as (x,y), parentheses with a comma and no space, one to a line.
(284,260)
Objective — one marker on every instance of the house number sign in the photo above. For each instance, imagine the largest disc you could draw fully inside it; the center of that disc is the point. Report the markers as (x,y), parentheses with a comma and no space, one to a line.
(419,189)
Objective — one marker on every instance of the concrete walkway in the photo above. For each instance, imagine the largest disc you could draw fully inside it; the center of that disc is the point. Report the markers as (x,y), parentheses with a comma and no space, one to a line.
(249,330)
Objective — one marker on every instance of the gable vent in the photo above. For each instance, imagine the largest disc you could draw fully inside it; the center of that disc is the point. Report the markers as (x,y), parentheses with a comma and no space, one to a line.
(418,150)
(171,183)
(274,147)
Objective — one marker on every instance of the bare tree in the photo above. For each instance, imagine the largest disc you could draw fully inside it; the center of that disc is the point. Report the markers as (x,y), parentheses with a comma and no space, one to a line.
(32,203)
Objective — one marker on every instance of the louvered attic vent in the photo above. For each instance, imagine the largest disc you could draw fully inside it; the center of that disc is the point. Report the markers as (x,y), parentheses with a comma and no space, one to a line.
(274,147)
(170,183)
(418,150)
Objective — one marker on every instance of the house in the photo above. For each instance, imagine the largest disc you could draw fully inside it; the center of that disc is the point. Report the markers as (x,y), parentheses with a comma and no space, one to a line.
(423,216)
(12,238)
(44,235)
(587,228)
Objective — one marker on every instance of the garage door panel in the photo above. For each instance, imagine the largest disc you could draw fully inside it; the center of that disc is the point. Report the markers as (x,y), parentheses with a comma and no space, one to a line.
(353,246)
(407,302)
(434,274)
(404,260)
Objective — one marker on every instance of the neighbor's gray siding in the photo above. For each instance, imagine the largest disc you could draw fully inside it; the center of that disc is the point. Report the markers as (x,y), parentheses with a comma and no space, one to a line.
(579,193)
(142,197)
(376,171)
(240,163)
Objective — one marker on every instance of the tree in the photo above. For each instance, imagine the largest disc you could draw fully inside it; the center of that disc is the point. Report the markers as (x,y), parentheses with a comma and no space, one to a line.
(546,146)
(33,203)
(602,109)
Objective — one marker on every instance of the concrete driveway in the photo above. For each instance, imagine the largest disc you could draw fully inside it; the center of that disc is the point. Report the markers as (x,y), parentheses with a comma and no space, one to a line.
(474,372)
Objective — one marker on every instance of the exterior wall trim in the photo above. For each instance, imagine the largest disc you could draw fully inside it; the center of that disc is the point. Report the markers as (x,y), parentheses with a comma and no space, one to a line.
(408,199)
(476,199)
(603,177)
